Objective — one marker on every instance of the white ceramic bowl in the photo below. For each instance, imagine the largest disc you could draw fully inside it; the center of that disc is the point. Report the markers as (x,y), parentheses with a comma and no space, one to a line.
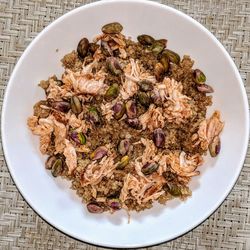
(51,198)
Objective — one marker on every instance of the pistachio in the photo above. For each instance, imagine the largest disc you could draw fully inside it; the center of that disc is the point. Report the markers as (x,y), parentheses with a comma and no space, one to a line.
(123,146)
(94,208)
(61,106)
(156,98)
(115,204)
(75,105)
(159,71)
(59,82)
(112,28)
(44,84)
(173,57)
(164,60)
(82,47)
(149,168)
(123,163)
(145,85)
(199,76)
(50,161)
(131,109)
(144,99)
(145,39)
(159,137)
(172,189)
(214,147)
(99,153)
(93,47)
(157,47)
(169,176)
(163,42)
(93,116)
(113,66)
(79,138)
(57,167)
(134,123)
(148,49)
(39,111)
(204,88)
(112,92)
(119,110)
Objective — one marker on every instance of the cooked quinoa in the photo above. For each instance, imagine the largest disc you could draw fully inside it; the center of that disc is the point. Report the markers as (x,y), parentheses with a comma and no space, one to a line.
(126,122)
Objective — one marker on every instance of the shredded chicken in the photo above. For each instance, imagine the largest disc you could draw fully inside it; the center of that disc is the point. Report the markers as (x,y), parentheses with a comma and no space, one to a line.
(70,155)
(95,171)
(114,42)
(86,82)
(73,121)
(177,107)
(56,92)
(149,151)
(60,133)
(44,143)
(208,130)
(129,88)
(152,119)
(134,72)
(40,127)
(140,188)
(183,164)
(43,128)
(78,124)
(107,111)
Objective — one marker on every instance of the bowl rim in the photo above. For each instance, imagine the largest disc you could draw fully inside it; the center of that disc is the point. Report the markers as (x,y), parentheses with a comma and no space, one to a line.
(99,3)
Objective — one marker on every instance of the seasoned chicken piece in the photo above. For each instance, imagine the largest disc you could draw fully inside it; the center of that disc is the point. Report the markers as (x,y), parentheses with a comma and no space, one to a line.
(208,130)
(70,155)
(183,164)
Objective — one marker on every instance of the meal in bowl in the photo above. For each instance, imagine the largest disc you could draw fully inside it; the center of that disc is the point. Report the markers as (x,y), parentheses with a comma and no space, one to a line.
(126,122)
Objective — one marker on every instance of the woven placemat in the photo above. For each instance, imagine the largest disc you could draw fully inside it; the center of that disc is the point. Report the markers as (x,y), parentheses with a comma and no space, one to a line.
(21,228)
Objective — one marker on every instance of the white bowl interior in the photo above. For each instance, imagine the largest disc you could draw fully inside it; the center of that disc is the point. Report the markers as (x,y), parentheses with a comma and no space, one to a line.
(51,198)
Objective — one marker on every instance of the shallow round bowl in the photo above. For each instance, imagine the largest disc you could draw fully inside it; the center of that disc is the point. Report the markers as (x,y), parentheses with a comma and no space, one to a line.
(52,198)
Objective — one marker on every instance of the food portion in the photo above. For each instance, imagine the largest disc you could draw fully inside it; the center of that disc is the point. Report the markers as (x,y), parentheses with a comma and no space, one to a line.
(126,122)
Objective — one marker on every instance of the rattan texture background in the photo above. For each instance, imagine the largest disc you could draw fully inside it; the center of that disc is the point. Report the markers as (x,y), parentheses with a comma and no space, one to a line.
(21,228)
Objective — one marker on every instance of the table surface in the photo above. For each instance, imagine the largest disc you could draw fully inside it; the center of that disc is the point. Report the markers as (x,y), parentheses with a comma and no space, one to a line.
(21,228)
